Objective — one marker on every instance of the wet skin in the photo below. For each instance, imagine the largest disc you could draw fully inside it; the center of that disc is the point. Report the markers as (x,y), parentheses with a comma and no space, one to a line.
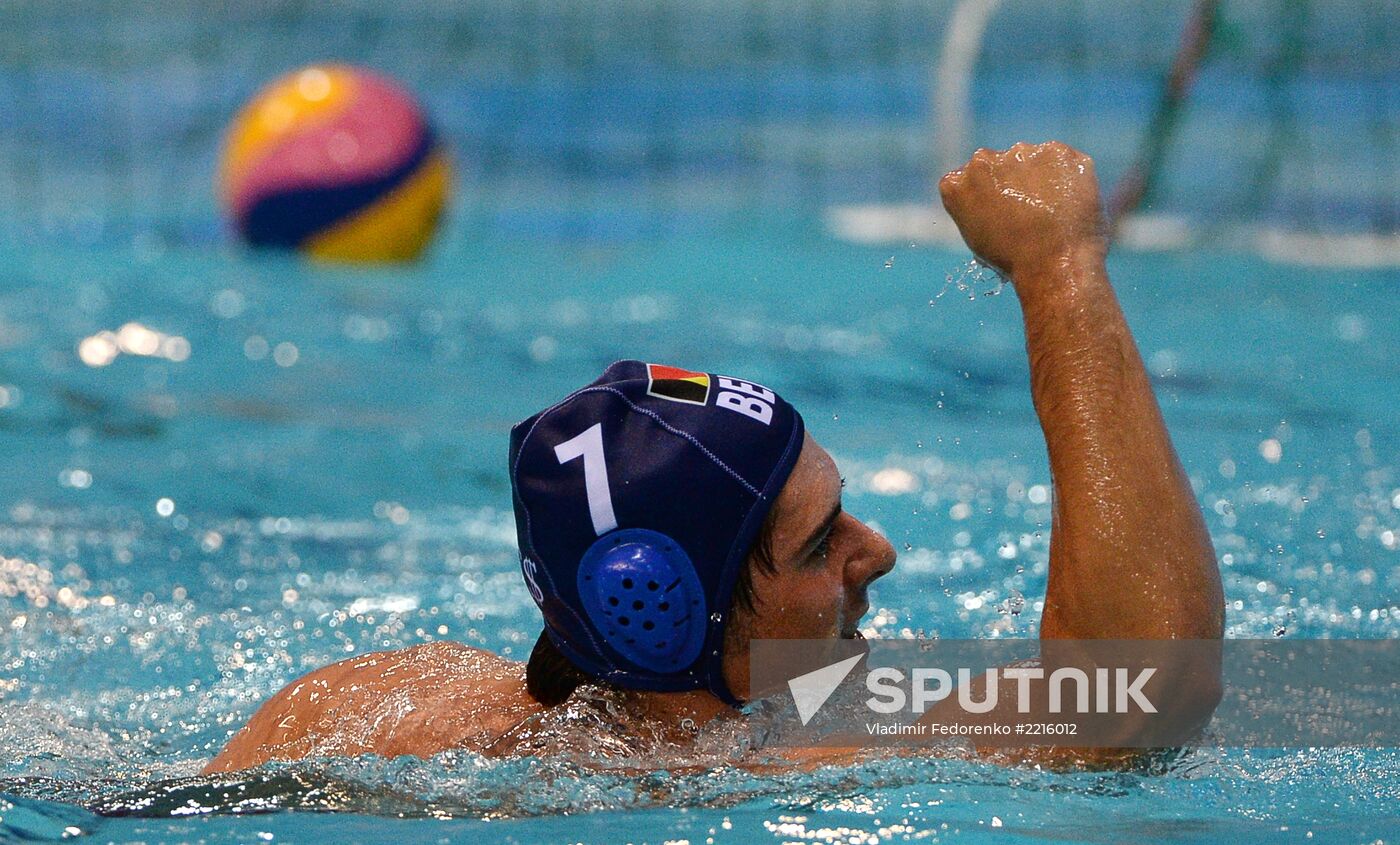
(1129,554)
(429,698)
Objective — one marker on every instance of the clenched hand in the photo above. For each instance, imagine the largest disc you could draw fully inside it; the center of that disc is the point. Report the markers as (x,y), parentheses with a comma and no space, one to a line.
(1027,209)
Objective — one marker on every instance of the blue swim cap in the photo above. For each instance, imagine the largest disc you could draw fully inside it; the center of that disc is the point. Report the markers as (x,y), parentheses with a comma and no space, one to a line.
(637,499)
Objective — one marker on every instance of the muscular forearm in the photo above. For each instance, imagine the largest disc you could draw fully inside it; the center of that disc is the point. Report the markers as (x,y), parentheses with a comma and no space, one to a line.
(1130,557)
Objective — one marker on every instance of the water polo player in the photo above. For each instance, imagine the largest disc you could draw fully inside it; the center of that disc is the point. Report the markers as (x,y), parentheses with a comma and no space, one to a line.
(666,518)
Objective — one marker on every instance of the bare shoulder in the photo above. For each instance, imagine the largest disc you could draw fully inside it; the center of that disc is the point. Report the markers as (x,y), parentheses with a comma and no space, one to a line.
(418,700)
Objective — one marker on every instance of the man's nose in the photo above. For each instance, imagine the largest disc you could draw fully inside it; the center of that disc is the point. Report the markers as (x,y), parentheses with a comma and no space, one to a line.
(874,559)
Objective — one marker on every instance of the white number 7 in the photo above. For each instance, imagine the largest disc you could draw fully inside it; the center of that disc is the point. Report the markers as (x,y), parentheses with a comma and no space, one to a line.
(589,446)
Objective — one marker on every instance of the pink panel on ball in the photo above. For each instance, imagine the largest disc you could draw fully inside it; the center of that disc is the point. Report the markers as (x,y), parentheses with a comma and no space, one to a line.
(379,129)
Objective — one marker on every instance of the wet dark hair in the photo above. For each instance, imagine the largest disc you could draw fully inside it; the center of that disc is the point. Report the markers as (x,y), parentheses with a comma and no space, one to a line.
(551,678)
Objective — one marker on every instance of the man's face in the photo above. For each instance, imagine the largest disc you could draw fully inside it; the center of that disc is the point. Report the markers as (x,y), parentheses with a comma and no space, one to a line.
(824,559)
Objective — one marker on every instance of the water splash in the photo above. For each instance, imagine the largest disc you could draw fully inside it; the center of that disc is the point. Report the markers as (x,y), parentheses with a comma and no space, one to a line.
(1013,604)
(464,785)
(972,278)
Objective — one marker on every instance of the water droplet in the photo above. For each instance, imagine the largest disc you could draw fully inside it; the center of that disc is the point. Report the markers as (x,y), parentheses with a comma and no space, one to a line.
(716,617)
(1013,605)
(1321,535)
(1280,631)
(889,262)
(908,547)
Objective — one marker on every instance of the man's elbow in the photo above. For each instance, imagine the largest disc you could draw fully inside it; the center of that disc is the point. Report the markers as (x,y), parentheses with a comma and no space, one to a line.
(1152,738)
(1190,689)
(1197,703)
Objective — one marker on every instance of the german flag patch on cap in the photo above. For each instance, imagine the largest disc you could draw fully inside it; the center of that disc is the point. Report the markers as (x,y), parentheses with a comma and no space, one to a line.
(677,385)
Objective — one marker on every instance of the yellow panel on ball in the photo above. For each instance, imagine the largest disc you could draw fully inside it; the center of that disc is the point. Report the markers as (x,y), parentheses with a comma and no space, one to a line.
(337,162)
(396,228)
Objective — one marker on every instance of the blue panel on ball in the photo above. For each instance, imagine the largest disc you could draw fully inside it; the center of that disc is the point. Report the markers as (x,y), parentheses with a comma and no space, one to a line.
(289,219)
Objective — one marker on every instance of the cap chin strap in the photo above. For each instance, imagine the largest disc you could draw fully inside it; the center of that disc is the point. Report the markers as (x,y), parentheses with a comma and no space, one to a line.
(720,689)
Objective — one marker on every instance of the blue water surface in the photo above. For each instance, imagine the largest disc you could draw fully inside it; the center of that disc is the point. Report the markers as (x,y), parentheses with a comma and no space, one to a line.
(312,466)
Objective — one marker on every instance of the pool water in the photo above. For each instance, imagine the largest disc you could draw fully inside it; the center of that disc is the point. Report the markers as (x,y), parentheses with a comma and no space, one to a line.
(310,465)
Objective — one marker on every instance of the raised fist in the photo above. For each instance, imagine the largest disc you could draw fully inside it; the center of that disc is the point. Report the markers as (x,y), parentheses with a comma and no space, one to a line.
(1026,209)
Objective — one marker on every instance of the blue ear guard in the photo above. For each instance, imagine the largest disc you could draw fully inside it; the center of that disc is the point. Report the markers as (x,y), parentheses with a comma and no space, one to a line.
(633,538)
(641,592)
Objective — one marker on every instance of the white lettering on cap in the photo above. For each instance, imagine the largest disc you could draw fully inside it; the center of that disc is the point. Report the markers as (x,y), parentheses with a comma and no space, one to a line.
(752,400)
